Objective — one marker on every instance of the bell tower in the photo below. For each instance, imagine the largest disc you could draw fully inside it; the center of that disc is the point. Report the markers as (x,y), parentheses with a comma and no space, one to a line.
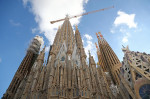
(24,68)
(110,60)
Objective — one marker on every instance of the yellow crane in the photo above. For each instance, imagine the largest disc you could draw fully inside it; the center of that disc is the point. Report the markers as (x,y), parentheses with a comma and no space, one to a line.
(52,22)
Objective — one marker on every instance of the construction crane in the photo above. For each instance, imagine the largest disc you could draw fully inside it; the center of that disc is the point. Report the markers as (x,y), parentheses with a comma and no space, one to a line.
(52,22)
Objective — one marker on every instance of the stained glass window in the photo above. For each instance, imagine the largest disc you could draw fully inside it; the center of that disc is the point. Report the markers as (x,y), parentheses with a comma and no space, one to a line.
(145,91)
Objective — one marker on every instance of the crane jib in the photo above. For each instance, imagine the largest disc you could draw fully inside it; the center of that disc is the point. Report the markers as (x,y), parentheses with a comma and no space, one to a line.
(82,14)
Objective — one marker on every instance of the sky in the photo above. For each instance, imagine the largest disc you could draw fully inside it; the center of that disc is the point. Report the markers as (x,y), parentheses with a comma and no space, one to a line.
(127,23)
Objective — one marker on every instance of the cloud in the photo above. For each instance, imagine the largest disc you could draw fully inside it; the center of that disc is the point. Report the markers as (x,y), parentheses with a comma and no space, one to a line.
(112,31)
(50,10)
(125,24)
(89,45)
(83,41)
(126,34)
(125,39)
(34,30)
(12,22)
(124,18)
(88,37)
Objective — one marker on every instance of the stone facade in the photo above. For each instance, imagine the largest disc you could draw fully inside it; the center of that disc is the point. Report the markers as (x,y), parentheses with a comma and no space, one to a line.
(110,64)
(135,74)
(129,80)
(66,74)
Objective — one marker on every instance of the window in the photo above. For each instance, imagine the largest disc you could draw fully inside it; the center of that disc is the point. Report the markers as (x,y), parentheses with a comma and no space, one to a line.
(76,62)
(82,93)
(144,91)
(56,91)
(63,58)
(77,92)
(73,92)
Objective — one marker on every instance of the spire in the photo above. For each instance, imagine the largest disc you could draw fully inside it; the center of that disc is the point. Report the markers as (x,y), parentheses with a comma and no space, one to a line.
(125,49)
(76,27)
(98,38)
(67,17)
(100,34)
(91,59)
(89,53)
(24,68)
(96,46)
(57,36)
(66,34)
(35,44)
(97,35)
(101,38)
(77,30)
(98,51)
(42,54)
(110,60)
(79,42)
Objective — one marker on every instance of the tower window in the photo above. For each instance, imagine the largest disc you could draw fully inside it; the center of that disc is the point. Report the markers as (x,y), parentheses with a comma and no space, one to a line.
(63,58)
(76,62)
(77,92)
(82,93)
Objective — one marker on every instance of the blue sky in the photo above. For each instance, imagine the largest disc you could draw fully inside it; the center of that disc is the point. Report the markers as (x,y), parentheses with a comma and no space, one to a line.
(20,20)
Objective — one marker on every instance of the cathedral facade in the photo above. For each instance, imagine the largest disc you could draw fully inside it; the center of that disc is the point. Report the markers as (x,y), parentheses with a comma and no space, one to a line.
(131,77)
(135,74)
(66,74)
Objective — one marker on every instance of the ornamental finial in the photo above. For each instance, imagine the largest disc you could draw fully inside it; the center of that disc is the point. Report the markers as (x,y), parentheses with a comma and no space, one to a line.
(100,34)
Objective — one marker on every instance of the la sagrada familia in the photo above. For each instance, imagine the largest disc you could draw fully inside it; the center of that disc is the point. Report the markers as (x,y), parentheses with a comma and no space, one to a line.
(67,75)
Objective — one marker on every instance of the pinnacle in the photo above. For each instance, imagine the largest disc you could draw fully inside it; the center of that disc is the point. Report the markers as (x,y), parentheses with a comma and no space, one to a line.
(76,27)
(67,17)
(76,31)
(89,53)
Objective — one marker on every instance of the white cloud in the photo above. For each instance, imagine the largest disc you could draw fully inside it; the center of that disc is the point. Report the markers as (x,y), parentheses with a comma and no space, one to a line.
(34,30)
(125,39)
(83,41)
(112,31)
(124,18)
(125,24)
(126,34)
(12,22)
(49,10)
(89,46)
(88,37)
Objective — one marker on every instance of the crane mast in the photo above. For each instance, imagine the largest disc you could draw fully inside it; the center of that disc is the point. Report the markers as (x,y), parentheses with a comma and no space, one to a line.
(52,22)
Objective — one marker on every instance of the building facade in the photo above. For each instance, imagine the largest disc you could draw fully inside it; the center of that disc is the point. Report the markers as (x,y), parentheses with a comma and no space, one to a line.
(131,79)
(66,74)
(135,74)
(110,64)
